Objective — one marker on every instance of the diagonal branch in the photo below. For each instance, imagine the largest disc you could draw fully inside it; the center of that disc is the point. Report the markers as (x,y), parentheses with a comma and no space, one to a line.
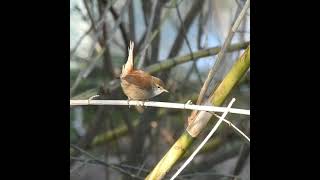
(74,49)
(194,64)
(103,163)
(214,129)
(222,52)
(84,73)
(122,28)
(93,24)
(196,127)
(131,17)
(145,43)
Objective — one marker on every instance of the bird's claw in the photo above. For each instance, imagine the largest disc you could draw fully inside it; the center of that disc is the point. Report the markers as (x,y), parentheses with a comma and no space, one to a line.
(128,103)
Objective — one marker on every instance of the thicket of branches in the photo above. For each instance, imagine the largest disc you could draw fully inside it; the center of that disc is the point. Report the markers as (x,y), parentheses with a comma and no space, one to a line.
(173,41)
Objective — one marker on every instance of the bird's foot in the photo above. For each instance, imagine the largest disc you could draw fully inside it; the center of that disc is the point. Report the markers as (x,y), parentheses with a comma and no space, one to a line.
(142,102)
(128,102)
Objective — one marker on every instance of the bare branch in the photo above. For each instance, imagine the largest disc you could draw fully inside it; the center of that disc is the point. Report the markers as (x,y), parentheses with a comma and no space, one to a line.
(73,51)
(84,73)
(196,174)
(146,44)
(122,29)
(104,163)
(243,156)
(222,52)
(132,31)
(194,64)
(234,127)
(93,24)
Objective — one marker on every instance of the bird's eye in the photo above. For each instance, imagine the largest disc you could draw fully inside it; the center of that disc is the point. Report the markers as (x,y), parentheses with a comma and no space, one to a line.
(158,87)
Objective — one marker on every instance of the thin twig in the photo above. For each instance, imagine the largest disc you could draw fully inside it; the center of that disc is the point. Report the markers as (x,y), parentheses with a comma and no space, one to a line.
(92,161)
(102,20)
(243,157)
(157,31)
(86,5)
(83,163)
(141,167)
(155,49)
(222,52)
(240,4)
(145,43)
(190,175)
(114,135)
(131,17)
(83,74)
(190,17)
(157,104)
(73,51)
(120,46)
(205,23)
(204,141)
(234,127)
(104,163)
(107,61)
(173,6)
(221,154)
(135,168)
(122,28)
(117,23)
(194,64)
(92,129)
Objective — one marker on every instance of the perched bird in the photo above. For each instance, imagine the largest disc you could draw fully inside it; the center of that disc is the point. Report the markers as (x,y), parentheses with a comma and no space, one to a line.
(137,84)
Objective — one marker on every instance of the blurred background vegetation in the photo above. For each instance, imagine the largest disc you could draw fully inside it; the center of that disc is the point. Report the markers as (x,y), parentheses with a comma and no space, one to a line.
(124,142)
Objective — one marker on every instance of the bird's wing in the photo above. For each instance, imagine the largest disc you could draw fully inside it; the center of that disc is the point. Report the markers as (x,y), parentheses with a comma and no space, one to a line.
(140,79)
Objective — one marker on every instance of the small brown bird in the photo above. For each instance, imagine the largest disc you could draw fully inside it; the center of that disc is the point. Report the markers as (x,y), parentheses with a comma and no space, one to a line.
(137,84)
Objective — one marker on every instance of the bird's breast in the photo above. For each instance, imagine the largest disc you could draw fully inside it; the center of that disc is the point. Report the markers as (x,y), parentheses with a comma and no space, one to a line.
(135,92)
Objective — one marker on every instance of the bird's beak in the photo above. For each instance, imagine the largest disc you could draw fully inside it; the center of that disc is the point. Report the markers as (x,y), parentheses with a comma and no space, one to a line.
(164,90)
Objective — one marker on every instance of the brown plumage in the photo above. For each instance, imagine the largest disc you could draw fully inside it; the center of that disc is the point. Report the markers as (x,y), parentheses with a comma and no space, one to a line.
(137,84)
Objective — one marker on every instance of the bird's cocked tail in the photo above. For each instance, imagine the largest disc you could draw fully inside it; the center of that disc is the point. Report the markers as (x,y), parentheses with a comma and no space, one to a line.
(128,67)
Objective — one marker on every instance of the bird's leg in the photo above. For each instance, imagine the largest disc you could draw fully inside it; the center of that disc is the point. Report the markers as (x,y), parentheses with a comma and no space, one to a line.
(143,101)
(128,102)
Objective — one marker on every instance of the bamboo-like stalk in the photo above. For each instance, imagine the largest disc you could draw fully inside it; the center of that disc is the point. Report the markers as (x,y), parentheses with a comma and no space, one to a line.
(213,130)
(169,159)
(111,135)
(222,91)
(240,68)
(201,120)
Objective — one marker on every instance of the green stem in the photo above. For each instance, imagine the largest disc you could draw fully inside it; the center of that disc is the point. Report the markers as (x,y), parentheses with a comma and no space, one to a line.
(173,155)
(183,143)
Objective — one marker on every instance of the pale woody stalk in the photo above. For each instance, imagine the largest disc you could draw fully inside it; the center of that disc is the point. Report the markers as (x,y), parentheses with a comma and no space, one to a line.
(158,104)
